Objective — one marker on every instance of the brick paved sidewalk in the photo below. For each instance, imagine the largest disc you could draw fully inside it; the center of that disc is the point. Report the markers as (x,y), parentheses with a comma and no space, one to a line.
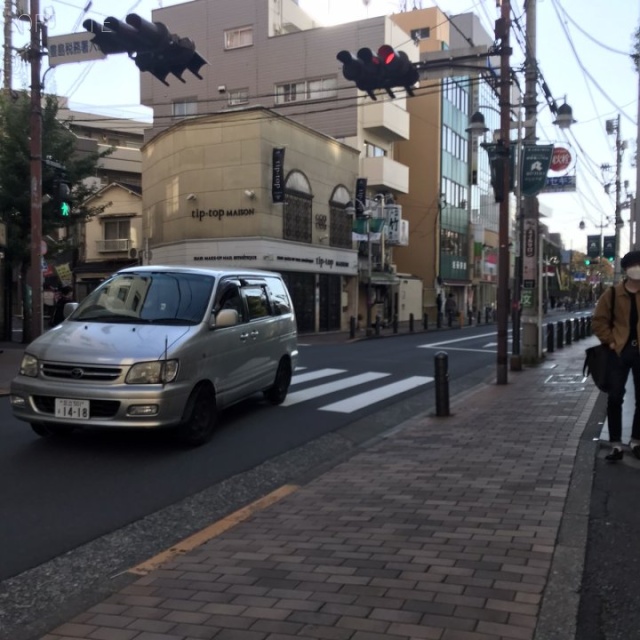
(443,529)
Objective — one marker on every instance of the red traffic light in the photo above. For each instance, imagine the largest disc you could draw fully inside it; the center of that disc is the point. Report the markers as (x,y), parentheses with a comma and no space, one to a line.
(387,54)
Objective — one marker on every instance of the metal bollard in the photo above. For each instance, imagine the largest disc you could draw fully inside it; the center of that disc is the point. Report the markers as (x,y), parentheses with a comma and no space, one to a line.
(425,321)
(568,333)
(560,332)
(487,314)
(441,368)
(576,330)
(352,327)
(395,324)
(551,338)
(469,318)
(378,323)
(411,322)
(583,327)
(588,327)
(479,316)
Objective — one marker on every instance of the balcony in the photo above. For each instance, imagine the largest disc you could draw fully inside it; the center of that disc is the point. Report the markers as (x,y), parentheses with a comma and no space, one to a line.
(113,246)
(385,174)
(386,119)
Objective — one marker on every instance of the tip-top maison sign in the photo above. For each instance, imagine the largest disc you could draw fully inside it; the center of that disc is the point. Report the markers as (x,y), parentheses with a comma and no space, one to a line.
(218,214)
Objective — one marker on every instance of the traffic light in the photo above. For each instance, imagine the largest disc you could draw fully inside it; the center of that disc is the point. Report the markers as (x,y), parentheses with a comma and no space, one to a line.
(397,69)
(364,69)
(587,261)
(609,248)
(62,196)
(149,44)
(385,69)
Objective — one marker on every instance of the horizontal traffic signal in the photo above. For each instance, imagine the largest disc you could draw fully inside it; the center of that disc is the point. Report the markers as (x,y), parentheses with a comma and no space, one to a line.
(386,69)
(150,44)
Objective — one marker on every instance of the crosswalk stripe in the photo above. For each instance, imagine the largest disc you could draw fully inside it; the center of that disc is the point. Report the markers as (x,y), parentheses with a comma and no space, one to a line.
(330,387)
(381,393)
(314,375)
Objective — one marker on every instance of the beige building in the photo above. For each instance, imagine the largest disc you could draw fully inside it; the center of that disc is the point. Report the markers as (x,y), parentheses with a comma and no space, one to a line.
(254,189)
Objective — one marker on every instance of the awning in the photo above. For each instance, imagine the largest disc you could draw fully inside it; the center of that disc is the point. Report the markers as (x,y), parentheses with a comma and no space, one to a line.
(382,278)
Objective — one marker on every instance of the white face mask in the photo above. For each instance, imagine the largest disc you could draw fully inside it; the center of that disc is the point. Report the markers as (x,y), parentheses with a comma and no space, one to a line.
(633,272)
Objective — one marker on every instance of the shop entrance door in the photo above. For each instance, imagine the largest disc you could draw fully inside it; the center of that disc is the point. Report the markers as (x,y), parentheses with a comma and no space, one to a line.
(330,292)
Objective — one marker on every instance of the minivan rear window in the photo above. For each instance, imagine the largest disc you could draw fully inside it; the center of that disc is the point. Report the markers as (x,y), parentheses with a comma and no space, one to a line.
(158,298)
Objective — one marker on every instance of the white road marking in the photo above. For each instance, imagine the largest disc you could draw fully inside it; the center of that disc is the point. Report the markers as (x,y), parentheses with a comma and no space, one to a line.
(438,344)
(314,375)
(377,395)
(330,387)
(457,349)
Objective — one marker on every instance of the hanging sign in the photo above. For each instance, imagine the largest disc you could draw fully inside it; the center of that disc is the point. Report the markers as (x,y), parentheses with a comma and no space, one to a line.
(536,159)
(277,181)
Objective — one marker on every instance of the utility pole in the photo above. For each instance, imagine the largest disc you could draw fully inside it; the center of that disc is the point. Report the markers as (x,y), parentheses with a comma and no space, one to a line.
(503,26)
(635,213)
(618,217)
(35,128)
(8,47)
(531,315)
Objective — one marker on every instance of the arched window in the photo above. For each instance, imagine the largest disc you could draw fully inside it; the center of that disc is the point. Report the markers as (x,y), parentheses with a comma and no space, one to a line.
(297,208)
(340,222)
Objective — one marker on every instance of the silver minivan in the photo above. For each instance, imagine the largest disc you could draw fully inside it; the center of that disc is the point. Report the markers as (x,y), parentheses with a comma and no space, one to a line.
(160,347)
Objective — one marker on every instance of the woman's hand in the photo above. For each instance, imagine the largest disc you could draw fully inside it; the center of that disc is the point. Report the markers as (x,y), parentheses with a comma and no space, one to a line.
(612,345)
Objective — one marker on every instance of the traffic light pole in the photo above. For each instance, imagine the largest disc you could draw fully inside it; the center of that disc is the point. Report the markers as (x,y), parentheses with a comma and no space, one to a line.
(35,187)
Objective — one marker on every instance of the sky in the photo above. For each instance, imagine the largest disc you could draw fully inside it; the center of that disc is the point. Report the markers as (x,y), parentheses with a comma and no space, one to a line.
(583,51)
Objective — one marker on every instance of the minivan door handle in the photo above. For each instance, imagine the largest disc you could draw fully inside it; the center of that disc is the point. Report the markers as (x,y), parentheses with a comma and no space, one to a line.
(244,336)
(255,333)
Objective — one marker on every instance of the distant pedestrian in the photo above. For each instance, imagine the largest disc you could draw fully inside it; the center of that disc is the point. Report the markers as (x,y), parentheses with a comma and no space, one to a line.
(616,322)
(450,308)
(66,295)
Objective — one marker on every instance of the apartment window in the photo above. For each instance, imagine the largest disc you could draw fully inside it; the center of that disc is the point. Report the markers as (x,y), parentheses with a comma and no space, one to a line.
(373,151)
(420,34)
(238,38)
(238,96)
(316,89)
(116,233)
(184,108)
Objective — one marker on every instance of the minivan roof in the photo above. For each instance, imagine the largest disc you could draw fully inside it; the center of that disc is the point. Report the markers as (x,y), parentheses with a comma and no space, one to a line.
(220,271)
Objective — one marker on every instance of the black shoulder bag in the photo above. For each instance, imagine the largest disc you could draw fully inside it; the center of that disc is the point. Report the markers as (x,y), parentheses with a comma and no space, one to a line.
(597,358)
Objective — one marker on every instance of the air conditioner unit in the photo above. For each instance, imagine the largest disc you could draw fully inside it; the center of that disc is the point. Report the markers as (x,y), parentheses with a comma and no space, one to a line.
(133,253)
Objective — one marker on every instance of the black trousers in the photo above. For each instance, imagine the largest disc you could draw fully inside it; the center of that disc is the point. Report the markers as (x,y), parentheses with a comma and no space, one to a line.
(628,360)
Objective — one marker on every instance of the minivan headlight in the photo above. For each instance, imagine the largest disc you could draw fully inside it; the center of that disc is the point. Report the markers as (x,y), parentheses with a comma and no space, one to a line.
(156,372)
(29,366)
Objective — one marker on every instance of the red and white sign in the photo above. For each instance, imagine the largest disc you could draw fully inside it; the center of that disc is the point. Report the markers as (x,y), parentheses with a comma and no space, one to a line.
(561,159)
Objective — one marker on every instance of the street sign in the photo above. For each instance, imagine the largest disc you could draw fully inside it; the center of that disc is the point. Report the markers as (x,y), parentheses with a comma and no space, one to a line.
(561,159)
(73,47)
(526,298)
(559,184)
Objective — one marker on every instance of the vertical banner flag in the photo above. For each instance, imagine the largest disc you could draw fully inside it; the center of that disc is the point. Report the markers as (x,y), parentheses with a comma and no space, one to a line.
(364,229)
(593,246)
(536,160)
(361,194)
(609,247)
(277,180)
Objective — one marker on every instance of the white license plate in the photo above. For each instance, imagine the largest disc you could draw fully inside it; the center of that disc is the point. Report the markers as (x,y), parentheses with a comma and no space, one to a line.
(74,409)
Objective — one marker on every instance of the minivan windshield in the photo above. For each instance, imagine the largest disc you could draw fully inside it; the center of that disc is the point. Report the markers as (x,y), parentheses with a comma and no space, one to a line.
(143,298)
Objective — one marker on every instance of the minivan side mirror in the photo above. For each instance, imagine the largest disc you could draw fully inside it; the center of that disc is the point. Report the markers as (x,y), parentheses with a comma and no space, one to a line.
(69,308)
(226,318)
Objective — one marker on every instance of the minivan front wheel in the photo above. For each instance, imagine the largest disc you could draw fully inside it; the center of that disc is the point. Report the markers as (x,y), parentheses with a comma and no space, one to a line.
(201,417)
(277,392)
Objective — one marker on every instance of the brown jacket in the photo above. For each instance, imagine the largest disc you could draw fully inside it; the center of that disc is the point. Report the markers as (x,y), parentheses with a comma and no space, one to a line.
(600,323)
